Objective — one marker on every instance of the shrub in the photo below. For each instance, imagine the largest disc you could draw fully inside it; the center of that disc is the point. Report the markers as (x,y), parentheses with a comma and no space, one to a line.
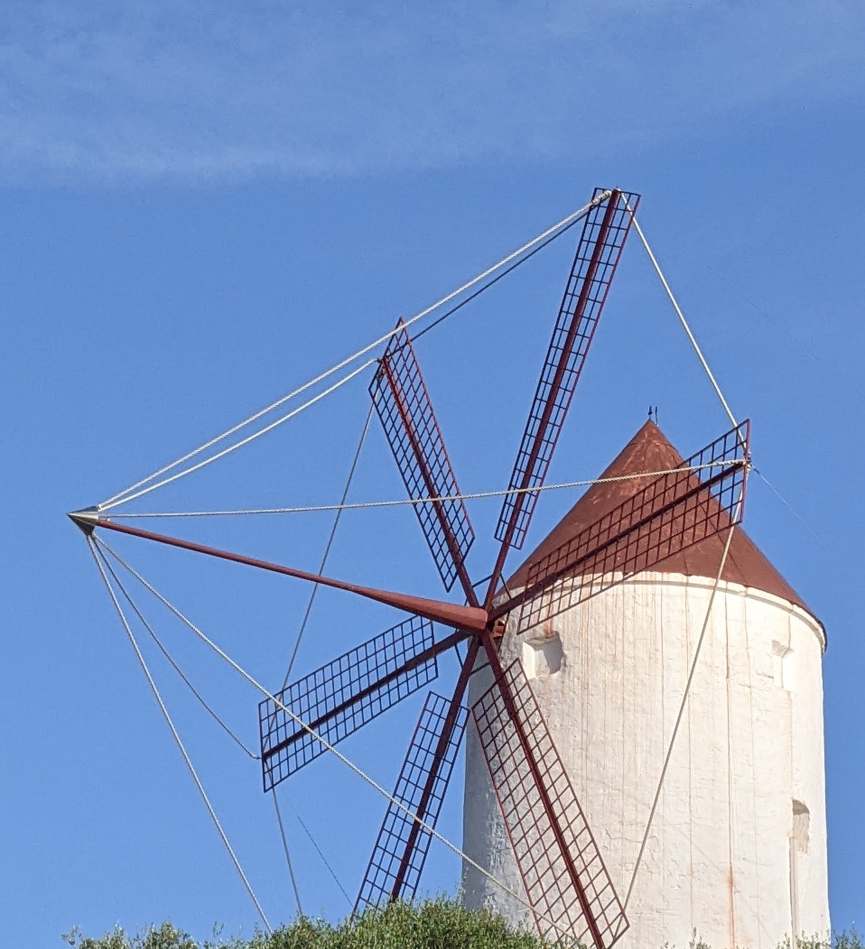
(438,924)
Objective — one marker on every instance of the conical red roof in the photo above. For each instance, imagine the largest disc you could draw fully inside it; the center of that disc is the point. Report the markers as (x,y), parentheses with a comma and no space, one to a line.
(649,450)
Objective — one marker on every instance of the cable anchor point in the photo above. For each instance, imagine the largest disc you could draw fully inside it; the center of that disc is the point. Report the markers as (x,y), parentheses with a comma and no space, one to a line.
(85,519)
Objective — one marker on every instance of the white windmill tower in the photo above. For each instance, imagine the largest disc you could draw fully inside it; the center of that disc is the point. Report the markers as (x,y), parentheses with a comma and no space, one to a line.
(735,854)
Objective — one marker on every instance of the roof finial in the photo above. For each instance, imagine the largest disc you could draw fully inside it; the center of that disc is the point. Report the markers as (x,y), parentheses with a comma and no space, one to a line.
(653,413)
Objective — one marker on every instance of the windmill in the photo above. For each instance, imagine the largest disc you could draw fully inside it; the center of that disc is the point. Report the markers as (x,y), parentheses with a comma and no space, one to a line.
(566,882)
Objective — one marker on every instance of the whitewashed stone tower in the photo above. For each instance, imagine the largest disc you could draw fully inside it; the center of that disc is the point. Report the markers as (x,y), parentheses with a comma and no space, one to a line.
(737,852)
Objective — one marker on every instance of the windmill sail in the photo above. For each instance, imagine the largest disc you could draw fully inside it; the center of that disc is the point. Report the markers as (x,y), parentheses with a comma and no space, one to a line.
(397,860)
(671,513)
(401,399)
(340,697)
(564,876)
(603,236)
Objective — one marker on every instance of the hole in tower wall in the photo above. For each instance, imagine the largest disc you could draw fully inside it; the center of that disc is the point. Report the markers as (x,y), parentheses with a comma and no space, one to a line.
(542,655)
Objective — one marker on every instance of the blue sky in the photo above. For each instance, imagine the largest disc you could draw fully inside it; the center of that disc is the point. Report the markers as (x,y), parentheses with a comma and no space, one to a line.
(203,205)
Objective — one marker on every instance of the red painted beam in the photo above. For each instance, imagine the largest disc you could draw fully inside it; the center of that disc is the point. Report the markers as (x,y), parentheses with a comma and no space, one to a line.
(471,618)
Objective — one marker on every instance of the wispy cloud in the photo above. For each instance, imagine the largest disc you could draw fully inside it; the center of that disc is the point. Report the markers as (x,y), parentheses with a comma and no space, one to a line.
(212,90)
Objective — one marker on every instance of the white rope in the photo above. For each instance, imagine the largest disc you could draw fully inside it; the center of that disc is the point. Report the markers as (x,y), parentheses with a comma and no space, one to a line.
(324,859)
(244,441)
(287,854)
(328,545)
(808,527)
(294,652)
(681,315)
(563,223)
(473,496)
(164,650)
(319,738)
(679,716)
(97,556)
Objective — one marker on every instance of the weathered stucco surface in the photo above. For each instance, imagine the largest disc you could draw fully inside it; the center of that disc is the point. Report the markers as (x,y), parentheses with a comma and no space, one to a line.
(727,862)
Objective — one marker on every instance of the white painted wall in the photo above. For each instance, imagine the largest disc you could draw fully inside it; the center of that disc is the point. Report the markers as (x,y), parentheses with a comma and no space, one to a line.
(717,867)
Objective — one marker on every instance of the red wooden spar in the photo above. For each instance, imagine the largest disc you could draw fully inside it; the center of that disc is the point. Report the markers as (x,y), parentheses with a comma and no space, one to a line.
(450,614)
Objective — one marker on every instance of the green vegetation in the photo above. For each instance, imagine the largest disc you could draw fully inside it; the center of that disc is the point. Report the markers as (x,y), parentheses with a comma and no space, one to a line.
(851,940)
(439,924)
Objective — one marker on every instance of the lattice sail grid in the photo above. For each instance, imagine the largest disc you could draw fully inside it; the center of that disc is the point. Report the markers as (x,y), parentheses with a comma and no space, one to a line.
(605,230)
(668,515)
(561,907)
(390,851)
(343,695)
(402,402)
